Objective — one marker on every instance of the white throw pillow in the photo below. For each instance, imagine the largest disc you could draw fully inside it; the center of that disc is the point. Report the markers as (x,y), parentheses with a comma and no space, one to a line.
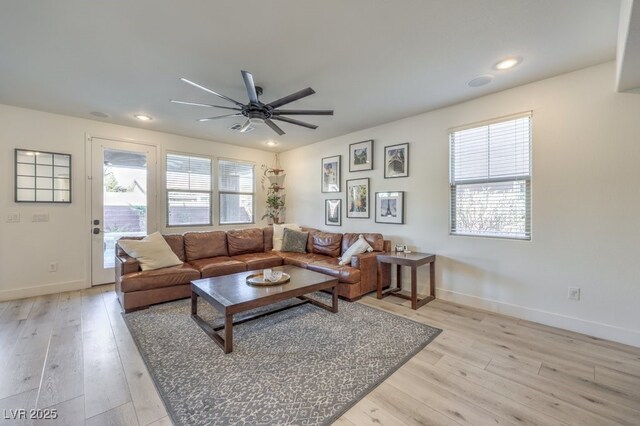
(152,252)
(360,246)
(278,234)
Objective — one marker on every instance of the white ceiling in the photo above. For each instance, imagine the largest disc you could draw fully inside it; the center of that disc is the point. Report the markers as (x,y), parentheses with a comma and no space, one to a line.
(372,61)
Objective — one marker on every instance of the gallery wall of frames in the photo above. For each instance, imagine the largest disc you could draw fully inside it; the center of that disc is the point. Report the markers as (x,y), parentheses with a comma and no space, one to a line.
(388,206)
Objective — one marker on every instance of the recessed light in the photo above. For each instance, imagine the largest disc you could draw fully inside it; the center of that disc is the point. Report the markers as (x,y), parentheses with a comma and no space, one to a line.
(142,117)
(271,143)
(480,80)
(507,63)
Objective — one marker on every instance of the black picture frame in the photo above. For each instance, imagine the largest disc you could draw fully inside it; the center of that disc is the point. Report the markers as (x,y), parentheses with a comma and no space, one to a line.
(396,161)
(358,204)
(42,177)
(361,156)
(330,174)
(333,212)
(390,207)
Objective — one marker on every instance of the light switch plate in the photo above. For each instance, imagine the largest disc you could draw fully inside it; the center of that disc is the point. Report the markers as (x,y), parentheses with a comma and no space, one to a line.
(41,217)
(13,218)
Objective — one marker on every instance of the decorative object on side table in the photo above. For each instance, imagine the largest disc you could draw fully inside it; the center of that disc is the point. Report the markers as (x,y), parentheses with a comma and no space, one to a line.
(274,176)
(42,177)
(358,198)
(396,161)
(390,207)
(333,212)
(361,156)
(331,174)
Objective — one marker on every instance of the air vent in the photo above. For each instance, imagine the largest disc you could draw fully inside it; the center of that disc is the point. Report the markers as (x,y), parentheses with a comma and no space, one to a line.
(238,126)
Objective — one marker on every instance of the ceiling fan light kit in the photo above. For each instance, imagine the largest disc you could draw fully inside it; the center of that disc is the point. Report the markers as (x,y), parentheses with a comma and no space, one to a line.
(257,112)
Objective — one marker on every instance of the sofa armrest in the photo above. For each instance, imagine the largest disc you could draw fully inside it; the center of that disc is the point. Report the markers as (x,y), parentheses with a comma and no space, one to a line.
(126,264)
(368,265)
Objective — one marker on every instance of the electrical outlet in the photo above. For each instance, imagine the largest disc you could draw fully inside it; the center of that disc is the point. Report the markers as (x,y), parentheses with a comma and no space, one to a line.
(53,267)
(574,293)
(13,218)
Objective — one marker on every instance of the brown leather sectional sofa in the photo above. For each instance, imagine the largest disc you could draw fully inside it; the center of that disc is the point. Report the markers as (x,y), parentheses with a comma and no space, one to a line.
(216,253)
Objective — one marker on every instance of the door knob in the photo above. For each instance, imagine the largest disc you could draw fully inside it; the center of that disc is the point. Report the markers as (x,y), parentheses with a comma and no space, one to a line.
(96,231)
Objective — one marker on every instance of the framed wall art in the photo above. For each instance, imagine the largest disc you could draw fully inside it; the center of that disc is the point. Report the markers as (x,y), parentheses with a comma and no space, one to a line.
(361,156)
(396,161)
(331,174)
(390,207)
(358,198)
(333,212)
(42,177)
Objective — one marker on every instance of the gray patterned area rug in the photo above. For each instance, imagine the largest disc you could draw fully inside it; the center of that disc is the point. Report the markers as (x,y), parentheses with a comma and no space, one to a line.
(301,366)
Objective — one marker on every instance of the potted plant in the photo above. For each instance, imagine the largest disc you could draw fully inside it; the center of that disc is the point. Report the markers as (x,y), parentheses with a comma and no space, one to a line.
(275,204)
(274,176)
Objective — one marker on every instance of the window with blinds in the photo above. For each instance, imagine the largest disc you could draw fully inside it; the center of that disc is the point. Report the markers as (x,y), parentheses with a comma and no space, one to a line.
(236,186)
(188,190)
(490,178)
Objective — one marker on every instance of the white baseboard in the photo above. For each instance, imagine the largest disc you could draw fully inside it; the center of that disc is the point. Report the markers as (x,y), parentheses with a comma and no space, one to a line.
(591,328)
(41,290)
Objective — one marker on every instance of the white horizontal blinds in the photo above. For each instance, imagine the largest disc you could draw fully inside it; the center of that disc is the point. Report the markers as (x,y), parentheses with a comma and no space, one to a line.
(490,179)
(236,184)
(188,190)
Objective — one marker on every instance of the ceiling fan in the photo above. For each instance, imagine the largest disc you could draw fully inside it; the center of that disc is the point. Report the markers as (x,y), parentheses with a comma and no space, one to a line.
(256,111)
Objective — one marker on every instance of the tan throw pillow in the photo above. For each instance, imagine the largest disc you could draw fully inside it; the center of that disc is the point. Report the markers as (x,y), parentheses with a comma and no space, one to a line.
(278,234)
(294,241)
(360,246)
(152,252)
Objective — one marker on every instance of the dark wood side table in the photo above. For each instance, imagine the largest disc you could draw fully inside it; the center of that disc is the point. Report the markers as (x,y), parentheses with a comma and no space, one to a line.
(412,260)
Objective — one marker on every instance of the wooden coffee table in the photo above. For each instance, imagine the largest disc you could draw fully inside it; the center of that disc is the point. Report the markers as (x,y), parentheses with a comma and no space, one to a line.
(230,294)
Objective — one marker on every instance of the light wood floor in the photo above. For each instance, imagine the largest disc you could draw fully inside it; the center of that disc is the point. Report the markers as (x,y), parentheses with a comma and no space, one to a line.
(73,352)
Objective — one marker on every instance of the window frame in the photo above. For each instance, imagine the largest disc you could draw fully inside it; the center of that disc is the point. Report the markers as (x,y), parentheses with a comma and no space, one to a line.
(503,179)
(167,190)
(221,192)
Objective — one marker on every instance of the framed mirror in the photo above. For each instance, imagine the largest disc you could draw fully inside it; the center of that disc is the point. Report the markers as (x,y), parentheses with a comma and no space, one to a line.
(42,177)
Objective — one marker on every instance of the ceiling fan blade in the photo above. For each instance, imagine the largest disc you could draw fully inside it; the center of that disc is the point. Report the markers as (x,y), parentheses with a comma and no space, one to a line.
(245,126)
(297,122)
(203,105)
(219,116)
(302,112)
(211,91)
(251,87)
(292,97)
(274,127)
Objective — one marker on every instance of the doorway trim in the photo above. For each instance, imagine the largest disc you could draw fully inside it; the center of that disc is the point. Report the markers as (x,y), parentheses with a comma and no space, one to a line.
(88,150)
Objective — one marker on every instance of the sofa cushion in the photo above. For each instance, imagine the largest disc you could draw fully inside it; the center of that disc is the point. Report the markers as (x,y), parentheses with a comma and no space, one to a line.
(175,241)
(376,241)
(202,245)
(241,241)
(295,241)
(217,266)
(327,243)
(165,277)
(360,246)
(278,234)
(300,259)
(152,252)
(345,274)
(259,260)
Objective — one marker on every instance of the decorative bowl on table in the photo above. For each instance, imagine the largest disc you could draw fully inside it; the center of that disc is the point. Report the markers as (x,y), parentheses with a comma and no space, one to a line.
(275,278)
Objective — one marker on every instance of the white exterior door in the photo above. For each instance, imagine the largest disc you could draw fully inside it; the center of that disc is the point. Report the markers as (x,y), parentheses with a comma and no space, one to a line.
(123,199)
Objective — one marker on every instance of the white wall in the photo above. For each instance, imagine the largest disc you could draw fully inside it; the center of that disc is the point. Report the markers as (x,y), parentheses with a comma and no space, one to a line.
(27,248)
(586,199)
